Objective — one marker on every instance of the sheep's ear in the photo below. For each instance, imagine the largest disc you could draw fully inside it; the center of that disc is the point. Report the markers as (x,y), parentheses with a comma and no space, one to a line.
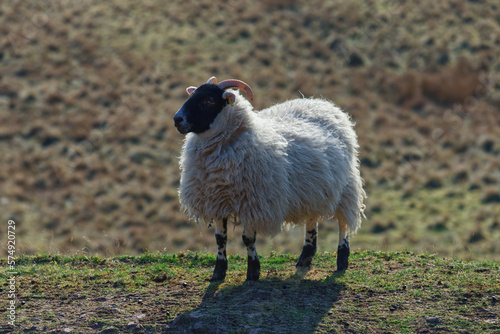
(190,90)
(212,81)
(229,96)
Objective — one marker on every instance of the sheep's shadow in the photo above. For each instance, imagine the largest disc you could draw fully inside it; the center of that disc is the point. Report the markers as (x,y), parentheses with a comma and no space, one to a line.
(271,305)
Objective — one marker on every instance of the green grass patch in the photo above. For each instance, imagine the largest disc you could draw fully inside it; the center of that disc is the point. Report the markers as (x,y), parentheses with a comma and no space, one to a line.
(381,291)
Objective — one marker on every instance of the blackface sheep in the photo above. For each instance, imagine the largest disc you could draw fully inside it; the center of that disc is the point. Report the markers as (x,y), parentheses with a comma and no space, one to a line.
(292,163)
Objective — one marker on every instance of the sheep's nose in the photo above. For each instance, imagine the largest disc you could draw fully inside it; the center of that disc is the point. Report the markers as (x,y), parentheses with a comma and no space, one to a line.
(178,119)
(180,122)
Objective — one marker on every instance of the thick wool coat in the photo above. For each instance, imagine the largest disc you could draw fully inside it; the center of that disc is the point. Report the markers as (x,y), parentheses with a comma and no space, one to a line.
(286,164)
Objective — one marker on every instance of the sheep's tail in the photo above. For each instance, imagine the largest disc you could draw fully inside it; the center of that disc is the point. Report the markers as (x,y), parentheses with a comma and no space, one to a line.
(351,207)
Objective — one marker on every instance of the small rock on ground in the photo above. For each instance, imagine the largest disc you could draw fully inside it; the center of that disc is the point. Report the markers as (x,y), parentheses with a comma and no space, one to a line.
(433,320)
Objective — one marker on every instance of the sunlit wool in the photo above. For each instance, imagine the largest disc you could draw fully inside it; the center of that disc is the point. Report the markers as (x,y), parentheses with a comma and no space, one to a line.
(289,163)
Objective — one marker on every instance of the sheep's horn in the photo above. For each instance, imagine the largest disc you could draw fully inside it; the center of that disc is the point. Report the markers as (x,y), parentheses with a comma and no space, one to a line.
(233,83)
(212,80)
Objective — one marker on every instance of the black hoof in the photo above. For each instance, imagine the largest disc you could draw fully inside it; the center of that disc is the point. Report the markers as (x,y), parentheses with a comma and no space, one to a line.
(253,271)
(252,277)
(342,264)
(304,262)
(306,256)
(217,277)
(219,271)
(343,258)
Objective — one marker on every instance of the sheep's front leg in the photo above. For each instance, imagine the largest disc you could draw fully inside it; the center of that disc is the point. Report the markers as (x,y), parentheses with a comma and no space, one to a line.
(221,238)
(310,241)
(343,248)
(253,269)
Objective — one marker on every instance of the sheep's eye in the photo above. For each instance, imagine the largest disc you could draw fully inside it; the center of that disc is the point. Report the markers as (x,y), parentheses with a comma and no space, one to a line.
(209,101)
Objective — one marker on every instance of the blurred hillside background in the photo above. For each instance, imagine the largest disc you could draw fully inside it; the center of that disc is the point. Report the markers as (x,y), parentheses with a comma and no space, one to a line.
(89,153)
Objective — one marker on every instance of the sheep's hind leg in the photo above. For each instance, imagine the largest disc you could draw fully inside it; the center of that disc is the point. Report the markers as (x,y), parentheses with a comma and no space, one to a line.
(221,263)
(343,247)
(253,269)
(310,241)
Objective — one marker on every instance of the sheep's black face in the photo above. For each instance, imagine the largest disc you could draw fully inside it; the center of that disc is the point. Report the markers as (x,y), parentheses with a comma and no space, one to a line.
(200,110)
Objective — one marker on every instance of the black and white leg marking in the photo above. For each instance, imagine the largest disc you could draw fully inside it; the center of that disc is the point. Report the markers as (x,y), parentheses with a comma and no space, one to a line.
(221,263)
(253,269)
(310,244)
(343,248)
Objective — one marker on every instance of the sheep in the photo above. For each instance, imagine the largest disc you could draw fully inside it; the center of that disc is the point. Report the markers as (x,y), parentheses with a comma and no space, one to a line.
(292,163)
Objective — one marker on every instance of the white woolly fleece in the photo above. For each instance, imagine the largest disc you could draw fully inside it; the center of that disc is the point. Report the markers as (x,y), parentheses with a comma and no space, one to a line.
(289,163)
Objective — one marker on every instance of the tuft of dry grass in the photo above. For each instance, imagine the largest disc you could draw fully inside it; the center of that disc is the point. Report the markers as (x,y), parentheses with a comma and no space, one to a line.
(491,194)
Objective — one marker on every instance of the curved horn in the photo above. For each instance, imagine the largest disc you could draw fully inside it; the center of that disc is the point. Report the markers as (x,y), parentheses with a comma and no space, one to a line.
(212,80)
(233,83)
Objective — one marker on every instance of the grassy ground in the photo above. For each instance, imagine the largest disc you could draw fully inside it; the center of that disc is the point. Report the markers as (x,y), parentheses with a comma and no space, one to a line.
(398,292)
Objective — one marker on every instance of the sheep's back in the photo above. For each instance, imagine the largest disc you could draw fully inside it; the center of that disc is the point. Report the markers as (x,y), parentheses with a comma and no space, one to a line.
(321,117)
(321,154)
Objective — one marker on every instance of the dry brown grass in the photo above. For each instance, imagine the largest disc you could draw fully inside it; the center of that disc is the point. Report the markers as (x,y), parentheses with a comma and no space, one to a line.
(88,90)
(451,84)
